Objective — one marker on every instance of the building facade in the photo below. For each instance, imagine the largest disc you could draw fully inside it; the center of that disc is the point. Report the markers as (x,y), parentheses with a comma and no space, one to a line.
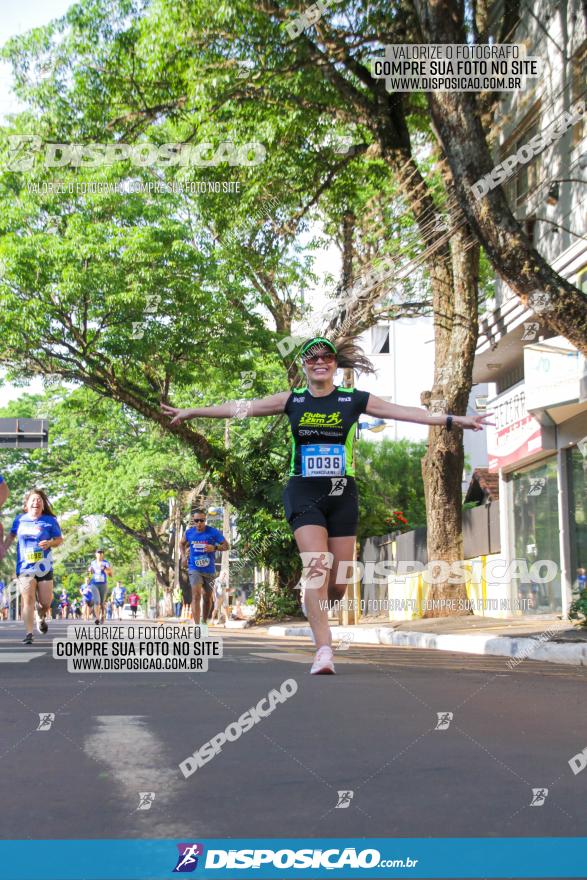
(537,381)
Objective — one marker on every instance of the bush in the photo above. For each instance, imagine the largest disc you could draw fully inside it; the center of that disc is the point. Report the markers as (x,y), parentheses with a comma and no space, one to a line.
(578,609)
(275,604)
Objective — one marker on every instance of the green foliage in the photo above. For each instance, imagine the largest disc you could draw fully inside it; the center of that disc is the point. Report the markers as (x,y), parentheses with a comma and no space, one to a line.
(275,604)
(578,608)
(102,461)
(169,295)
(389,478)
(265,539)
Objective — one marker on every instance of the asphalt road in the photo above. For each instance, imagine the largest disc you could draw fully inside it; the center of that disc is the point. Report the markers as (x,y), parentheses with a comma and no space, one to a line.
(370,730)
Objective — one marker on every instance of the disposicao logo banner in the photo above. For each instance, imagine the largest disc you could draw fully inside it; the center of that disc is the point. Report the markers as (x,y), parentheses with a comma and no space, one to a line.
(256,859)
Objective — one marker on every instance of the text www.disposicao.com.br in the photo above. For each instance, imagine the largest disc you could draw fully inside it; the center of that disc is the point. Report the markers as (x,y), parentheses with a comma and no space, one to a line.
(135,664)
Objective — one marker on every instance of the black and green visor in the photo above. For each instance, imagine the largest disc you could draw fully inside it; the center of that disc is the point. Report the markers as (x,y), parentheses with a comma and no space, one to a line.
(317,342)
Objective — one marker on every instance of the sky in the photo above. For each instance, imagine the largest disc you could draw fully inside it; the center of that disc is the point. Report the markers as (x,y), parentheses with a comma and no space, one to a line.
(16,19)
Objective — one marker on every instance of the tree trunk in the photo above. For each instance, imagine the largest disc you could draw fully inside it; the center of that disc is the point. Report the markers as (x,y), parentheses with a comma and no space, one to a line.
(453,269)
(156,557)
(442,466)
(454,276)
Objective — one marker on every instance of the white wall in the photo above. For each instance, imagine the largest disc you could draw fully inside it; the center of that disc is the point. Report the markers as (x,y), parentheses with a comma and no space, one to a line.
(402,374)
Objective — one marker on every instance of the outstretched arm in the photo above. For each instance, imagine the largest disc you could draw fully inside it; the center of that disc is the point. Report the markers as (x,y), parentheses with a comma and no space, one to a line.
(266,406)
(383,410)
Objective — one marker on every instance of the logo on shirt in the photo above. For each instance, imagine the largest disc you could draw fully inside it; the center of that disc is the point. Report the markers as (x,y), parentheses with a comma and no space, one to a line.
(320,420)
(299,399)
(344,399)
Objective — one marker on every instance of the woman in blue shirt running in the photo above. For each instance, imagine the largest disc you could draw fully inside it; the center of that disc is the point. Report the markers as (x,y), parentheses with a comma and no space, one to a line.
(36,532)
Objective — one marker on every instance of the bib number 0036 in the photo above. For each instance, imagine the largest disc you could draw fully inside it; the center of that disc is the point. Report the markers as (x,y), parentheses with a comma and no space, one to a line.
(323,461)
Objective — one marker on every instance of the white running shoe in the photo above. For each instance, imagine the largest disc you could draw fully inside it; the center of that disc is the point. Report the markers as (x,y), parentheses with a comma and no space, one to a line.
(323,663)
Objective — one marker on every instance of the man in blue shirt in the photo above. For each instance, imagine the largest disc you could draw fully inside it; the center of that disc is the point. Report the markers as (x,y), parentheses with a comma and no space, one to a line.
(201,542)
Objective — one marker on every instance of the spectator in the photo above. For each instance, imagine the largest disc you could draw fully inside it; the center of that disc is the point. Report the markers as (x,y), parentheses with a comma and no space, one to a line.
(221,594)
(177,601)
(3,599)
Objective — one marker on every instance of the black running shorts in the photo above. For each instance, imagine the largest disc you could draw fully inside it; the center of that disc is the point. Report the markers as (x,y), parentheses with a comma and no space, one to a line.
(331,502)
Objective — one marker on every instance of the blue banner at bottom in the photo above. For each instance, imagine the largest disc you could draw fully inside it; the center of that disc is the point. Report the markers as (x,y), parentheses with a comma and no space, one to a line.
(273,859)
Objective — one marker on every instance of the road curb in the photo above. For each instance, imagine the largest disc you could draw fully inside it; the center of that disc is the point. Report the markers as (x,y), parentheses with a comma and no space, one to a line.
(517,648)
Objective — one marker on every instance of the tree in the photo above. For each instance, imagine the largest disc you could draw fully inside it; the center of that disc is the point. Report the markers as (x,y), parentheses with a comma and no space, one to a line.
(295,95)
(109,463)
(457,119)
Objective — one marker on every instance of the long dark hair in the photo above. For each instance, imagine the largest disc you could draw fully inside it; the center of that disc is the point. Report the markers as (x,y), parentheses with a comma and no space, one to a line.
(349,355)
(46,503)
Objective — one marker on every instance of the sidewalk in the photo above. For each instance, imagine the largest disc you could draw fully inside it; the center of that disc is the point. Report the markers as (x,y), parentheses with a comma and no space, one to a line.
(546,638)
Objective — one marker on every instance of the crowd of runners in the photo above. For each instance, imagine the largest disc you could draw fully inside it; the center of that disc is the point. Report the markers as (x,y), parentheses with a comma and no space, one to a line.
(320,500)
(36,531)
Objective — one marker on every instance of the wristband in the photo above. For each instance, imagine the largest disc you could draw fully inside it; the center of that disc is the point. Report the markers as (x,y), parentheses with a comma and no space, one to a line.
(449,423)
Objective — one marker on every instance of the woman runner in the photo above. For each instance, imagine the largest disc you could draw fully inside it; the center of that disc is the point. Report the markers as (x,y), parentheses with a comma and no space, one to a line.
(36,531)
(320,499)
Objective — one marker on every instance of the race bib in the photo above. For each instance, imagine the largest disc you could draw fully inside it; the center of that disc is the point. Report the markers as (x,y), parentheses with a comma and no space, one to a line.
(327,460)
(32,556)
(202,561)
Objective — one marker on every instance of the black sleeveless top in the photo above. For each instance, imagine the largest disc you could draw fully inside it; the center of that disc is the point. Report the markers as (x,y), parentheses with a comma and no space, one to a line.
(322,422)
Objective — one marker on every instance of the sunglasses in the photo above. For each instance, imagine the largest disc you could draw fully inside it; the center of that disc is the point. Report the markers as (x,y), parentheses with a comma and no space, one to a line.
(198,520)
(327,358)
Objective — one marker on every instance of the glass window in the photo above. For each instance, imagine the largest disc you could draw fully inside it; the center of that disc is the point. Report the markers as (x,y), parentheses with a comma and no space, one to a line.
(526,179)
(578,516)
(533,500)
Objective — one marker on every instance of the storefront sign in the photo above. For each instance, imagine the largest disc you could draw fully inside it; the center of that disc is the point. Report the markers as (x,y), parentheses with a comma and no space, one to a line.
(516,435)
(555,373)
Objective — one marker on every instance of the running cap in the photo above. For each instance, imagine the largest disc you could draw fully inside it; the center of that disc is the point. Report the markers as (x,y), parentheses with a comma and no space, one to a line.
(311,343)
